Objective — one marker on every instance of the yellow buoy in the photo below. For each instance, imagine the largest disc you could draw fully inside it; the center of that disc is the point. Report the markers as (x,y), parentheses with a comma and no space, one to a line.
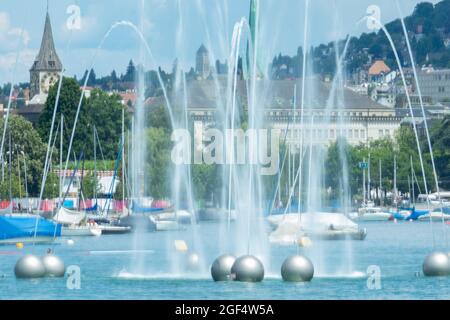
(19,245)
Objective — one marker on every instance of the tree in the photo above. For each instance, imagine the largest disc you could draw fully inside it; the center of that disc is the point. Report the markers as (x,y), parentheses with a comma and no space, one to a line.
(101,110)
(104,111)
(90,186)
(26,145)
(68,102)
(130,75)
(440,139)
(92,78)
(158,162)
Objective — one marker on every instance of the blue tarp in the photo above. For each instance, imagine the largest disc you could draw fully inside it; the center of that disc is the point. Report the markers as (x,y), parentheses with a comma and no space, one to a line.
(24,227)
(416,214)
(92,209)
(138,209)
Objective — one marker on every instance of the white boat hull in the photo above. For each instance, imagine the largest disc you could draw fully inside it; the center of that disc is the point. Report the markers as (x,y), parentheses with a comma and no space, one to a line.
(379,216)
(113,229)
(165,225)
(37,240)
(80,231)
(435,216)
(327,226)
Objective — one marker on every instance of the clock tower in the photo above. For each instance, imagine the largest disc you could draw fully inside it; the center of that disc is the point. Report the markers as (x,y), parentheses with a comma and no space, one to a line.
(47,67)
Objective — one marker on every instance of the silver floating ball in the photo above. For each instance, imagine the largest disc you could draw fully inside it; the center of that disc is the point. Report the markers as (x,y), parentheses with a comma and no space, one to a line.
(247,269)
(54,266)
(436,264)
(221,268)
(192,262)
(297,269)
(29,267)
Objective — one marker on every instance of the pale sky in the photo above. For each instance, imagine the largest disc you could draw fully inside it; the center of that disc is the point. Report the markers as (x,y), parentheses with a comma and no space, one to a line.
(172,28)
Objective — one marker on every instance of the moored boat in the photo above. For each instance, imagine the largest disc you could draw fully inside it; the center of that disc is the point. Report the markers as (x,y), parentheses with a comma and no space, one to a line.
(27,228)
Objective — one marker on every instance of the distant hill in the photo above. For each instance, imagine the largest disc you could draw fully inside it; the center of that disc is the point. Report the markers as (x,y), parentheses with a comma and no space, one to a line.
(429,32)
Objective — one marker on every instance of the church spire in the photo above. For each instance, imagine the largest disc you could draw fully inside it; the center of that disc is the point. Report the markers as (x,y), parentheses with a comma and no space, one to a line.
(47,59)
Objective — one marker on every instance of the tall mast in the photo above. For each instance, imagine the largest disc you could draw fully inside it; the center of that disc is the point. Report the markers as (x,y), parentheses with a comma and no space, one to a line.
(61,159)
(368,180)
(95,165)
(381,184)
(9,168)
(123,161)
(364,183)
(395,179)
(413,197)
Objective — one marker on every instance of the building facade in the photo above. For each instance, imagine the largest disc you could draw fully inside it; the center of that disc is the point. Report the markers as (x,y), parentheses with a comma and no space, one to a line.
(359,120)
(435,84)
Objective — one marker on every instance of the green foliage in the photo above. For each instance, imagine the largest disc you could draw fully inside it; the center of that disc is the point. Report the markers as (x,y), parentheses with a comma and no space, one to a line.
(101,110)
(17,189)
(158,162)
(440,139)
(206,181)
(51,189)
(90,186)
(24,139)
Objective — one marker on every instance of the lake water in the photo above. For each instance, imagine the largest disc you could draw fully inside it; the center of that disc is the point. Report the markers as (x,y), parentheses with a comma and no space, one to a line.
(398,249)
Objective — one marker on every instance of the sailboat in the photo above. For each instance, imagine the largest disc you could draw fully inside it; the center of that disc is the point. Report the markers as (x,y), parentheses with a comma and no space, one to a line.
(24,228)
(75,222)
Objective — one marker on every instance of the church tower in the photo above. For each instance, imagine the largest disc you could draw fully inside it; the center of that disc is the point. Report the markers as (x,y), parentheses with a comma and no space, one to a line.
(202,65)
(47,67)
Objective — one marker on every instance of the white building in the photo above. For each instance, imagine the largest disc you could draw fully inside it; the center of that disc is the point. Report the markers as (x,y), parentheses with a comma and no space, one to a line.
(359,121)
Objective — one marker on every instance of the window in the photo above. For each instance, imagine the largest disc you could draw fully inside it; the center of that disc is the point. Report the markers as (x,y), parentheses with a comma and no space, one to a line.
(362,134)
(350,134)
(332,133)
(380,133)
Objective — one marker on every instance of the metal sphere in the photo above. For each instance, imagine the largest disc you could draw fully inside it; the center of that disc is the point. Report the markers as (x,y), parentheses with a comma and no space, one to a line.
(29,267)
(436,264)
(247,269)
(54,266)
(221,268)
(297,269)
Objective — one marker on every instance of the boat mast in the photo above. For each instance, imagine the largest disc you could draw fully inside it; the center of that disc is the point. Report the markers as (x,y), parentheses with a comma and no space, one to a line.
(81,185)
(95,166)
(395,179)
(26,181)
(413,197)
(18,172)
(364,182)
(61,159)
(381,183)
(123,161)
(368,180)
(9,168)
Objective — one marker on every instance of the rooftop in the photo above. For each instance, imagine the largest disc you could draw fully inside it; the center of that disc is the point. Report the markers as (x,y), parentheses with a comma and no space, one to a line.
(277,94)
